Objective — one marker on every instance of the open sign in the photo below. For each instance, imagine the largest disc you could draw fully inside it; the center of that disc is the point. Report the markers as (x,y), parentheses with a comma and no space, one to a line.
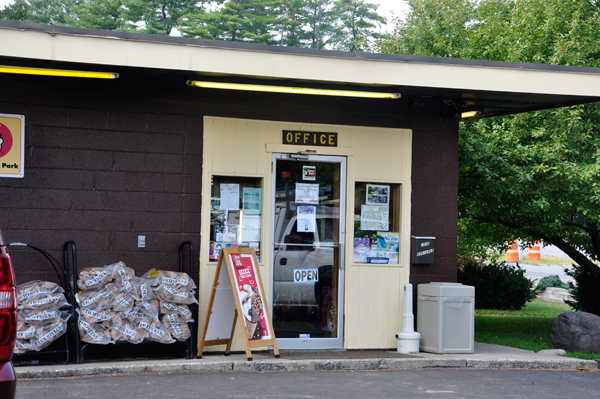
(306,275)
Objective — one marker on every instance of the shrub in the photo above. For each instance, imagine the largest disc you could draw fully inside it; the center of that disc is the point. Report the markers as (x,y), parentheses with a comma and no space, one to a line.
(585,291)
(497,285)
(551,281)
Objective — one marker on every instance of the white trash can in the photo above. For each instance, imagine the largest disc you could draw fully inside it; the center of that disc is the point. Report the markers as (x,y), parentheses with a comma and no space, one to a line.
(446,317)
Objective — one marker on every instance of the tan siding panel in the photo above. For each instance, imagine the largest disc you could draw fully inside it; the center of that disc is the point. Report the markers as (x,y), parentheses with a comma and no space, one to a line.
(384,300)
(372,294)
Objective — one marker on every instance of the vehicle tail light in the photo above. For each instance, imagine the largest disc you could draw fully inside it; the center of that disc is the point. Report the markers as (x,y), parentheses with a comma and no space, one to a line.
(8,307)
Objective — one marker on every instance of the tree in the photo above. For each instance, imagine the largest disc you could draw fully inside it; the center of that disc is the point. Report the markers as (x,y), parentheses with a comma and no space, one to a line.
(238,20)
(432,28)
(158,17)
(357,21)
(101,14)
(16,11)
(318,21)
(56,12)
(530,176)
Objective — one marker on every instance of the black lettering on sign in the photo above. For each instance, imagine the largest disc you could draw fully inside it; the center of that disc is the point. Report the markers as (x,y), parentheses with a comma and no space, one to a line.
(321,139)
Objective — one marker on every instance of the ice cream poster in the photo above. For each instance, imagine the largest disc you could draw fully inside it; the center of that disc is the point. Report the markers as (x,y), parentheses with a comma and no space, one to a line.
(250,297)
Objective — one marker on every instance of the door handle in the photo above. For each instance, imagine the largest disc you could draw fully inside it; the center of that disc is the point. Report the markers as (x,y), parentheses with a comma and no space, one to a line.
(340,257)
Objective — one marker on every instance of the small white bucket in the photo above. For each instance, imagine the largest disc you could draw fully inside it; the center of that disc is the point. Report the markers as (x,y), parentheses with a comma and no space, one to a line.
(408,342)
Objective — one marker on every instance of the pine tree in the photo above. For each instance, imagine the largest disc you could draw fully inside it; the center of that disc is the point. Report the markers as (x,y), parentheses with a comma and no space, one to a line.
(358,21)
(318,19)
(158,17)
(238,20)
(102,14)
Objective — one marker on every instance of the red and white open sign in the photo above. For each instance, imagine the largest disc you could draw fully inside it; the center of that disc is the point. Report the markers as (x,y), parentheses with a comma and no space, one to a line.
(309,173)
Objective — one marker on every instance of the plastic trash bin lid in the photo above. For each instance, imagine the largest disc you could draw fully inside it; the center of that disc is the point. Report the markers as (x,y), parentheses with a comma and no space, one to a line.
(446,290)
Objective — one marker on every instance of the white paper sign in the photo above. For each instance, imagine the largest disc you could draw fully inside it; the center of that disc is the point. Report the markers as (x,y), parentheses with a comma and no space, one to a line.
(306,220)
(307,193)
(250,228)
(230,197)
(374,217)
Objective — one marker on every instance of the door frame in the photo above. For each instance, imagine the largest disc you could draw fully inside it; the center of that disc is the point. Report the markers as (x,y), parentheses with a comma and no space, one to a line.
(314,343)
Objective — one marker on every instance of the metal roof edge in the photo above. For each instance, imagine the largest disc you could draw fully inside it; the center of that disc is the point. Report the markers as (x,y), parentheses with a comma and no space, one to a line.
(54,30)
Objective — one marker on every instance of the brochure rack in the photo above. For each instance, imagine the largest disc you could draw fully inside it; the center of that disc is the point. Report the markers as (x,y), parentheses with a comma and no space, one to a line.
(188,346)
(62,273)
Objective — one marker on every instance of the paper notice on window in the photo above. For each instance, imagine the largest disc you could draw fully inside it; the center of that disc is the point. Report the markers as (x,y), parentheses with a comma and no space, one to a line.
(378,195)
(251,200)
(250,228)
(307,193)
(374,217)
(230,197)
(306,219)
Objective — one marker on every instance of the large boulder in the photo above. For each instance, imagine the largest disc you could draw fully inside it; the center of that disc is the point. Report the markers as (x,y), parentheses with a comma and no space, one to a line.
(576,332)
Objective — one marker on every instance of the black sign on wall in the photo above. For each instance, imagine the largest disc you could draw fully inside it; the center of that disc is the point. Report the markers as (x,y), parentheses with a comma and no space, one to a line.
(423,250)
(322,139)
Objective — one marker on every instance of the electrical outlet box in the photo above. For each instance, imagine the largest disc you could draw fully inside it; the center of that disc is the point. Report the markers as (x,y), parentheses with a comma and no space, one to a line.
(141,241)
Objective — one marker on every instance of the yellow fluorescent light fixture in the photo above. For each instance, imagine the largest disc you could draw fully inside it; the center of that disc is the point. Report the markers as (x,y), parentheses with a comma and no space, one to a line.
(57,72)
(291,90)
(469,114)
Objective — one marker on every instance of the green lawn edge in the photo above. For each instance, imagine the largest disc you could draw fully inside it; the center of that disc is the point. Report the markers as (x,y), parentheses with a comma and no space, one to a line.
(528,328)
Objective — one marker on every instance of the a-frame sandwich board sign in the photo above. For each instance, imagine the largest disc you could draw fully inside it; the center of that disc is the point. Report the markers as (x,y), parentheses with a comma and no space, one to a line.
(237,295)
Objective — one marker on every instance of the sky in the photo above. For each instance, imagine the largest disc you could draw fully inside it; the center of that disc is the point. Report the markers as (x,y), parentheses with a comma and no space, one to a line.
(385,6)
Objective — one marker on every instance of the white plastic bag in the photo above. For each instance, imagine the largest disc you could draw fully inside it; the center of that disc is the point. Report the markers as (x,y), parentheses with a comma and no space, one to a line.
(32,289)
(169,294)
(177,326)
(173,308)
(94,277)
(94,333)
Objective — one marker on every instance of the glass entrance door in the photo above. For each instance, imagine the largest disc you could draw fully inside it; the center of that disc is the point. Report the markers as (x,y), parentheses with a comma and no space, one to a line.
(308,227)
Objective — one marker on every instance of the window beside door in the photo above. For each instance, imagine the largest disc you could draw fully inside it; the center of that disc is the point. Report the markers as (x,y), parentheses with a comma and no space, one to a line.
(376,223)
(235,214)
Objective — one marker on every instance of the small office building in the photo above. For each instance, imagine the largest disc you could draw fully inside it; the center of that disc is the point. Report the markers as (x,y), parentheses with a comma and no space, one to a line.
(326,163)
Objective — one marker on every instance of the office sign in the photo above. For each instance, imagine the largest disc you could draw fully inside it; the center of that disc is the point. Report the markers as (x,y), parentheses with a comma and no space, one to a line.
(321,139)
(12,145)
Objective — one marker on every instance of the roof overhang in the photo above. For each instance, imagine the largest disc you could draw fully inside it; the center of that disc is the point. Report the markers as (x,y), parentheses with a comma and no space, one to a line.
(493,88)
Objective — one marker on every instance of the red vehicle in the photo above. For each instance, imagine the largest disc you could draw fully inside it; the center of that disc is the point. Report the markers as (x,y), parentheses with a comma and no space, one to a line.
(8,323)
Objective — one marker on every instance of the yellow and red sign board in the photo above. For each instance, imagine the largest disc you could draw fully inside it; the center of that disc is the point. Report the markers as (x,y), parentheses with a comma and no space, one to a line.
(12,145)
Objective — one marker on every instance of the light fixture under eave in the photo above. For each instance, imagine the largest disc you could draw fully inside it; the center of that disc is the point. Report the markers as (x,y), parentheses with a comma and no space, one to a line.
(469,114)
(291,90)
(57,72)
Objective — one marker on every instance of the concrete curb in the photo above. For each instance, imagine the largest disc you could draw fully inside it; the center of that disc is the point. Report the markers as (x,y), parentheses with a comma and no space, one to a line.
(202,365)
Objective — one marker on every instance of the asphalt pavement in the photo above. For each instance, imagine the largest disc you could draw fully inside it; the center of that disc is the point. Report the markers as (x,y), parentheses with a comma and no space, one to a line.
(438,383)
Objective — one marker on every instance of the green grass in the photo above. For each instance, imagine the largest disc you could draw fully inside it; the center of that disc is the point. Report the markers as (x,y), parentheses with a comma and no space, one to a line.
(530,333)
(534,308)
(528,328)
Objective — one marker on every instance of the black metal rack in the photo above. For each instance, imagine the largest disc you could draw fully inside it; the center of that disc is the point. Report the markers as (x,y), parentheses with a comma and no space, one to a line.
(187,346)
(62,273)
